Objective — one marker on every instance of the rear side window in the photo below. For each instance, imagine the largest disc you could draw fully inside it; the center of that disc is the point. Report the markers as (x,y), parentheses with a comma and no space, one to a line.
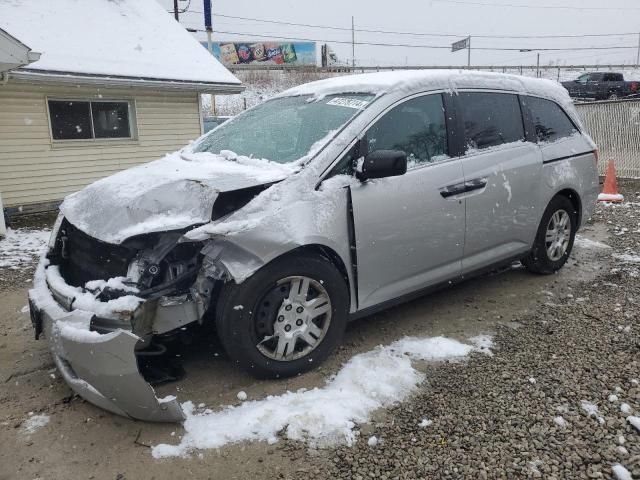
(550,121)
(613,77)
(490,119)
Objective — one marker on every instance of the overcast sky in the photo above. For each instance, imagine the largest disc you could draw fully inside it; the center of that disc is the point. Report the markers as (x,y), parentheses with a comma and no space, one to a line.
(453,17)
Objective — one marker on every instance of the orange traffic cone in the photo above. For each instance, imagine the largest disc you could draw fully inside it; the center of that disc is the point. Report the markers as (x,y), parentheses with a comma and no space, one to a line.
(610,191)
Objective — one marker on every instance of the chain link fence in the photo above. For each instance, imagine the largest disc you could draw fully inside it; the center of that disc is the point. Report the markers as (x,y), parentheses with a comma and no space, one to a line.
(615,127)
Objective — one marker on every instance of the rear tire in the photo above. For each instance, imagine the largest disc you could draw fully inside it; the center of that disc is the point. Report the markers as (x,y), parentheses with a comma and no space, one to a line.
(554,240)
(287,293)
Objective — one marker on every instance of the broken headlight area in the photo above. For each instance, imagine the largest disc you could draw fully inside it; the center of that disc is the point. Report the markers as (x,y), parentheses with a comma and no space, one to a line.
(163,274)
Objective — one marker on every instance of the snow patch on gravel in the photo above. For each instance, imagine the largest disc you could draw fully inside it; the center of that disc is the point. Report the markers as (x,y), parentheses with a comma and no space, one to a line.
(34,423)
(560,421)
(584,242)
(621,473)
(627,258)
(592,410)
(19,247)
(635,422)
(322,416)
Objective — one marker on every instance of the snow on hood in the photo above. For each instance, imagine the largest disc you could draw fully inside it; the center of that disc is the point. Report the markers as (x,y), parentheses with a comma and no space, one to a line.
(174,192)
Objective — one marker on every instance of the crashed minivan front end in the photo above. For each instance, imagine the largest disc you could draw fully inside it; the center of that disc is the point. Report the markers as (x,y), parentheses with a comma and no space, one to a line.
(100,331)
(136,260)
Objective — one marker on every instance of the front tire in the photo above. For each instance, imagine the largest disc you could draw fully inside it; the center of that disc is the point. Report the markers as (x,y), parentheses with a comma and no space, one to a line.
(286,318)
(554,239)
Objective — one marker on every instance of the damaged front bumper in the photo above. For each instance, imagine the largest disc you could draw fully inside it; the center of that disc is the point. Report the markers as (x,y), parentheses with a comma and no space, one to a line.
(100,367)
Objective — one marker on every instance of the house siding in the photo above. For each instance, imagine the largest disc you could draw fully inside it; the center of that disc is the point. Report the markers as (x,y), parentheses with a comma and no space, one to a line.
(36,170)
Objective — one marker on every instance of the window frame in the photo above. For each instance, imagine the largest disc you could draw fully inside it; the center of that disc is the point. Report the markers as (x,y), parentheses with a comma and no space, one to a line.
(613,77)
(461,143)
(360,143)
(364,144)
(586,80)
(133,121)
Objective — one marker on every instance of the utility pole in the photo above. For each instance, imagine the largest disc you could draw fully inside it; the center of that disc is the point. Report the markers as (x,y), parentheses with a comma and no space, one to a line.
(208,24)
(538,66)
(469,52)
(176,14)
(353,43)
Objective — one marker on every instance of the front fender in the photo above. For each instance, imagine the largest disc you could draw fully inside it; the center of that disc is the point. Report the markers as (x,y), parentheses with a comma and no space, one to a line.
(244,246)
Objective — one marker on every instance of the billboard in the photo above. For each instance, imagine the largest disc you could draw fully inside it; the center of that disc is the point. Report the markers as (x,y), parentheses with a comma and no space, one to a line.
(261,52)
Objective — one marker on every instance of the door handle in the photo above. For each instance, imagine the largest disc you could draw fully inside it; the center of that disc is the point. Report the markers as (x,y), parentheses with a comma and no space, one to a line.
(475,184)
(452,190)
(465,187)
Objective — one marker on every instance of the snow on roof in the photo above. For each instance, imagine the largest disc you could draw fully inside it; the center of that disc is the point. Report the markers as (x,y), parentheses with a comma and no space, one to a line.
(416,80)
(124,38)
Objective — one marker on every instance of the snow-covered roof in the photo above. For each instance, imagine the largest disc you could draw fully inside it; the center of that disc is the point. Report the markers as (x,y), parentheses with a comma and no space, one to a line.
(135,39)
(425,80)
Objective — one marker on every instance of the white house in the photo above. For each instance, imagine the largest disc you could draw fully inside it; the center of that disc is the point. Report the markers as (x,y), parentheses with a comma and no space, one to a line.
(117,83)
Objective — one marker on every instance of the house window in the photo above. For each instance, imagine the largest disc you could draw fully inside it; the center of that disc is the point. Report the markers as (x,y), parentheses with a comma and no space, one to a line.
(89,120)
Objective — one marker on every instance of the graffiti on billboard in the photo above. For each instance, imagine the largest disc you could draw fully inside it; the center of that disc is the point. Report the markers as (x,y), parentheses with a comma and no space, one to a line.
(278,53)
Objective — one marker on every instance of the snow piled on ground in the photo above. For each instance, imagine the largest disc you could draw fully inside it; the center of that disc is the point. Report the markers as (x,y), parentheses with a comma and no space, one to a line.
(34,423)
(322,416)
(627,258)
(584,242)
(19,247)
(621,473)
(635,422)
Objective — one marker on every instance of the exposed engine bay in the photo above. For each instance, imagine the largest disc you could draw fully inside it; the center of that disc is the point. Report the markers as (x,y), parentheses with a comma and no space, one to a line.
(173,280)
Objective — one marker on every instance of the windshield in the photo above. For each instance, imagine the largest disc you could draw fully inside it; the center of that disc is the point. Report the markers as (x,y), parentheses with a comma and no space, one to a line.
(285,129)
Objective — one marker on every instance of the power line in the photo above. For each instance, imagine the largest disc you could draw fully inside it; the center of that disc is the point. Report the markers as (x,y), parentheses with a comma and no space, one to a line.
(554,7)
(408,45)
(394,32)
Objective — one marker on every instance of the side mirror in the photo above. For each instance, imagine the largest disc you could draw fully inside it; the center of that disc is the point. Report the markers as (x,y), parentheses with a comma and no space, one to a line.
(381,164)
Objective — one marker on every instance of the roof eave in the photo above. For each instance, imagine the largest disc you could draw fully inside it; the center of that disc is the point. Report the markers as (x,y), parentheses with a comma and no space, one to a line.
(43,76)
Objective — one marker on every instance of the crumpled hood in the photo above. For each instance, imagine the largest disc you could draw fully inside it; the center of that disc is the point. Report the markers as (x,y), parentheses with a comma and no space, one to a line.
(174,192)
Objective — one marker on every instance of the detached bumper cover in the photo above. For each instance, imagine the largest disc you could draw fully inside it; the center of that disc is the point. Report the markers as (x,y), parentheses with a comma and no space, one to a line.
(101,368)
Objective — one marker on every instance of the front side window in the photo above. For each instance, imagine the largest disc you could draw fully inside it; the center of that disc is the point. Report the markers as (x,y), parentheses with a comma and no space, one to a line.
(490,119)
(416,127)
(88,120)
(584,78)
(284,129)
(550,121)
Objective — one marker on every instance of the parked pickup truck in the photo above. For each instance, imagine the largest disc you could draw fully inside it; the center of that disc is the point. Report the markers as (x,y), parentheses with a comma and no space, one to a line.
(602,86)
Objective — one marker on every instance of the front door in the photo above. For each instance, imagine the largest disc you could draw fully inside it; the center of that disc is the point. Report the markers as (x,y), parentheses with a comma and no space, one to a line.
(409,230)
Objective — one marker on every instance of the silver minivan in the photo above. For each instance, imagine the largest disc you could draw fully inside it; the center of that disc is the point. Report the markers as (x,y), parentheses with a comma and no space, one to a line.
(329,202)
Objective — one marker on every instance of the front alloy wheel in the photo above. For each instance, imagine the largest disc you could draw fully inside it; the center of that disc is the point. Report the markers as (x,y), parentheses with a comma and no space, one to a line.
(286,318)
(301,322)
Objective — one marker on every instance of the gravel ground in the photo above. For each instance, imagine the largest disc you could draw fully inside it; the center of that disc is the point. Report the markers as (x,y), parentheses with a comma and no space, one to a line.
(519,413)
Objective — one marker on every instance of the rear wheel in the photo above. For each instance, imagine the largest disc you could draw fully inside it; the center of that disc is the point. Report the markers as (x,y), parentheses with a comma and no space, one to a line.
(554,239)
(285,319)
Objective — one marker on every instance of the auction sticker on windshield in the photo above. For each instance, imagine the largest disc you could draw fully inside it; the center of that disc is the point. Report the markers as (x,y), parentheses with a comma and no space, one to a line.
(348,102)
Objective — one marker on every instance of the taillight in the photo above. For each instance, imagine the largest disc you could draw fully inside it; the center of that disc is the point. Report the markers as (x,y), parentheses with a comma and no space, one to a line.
(634,86)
